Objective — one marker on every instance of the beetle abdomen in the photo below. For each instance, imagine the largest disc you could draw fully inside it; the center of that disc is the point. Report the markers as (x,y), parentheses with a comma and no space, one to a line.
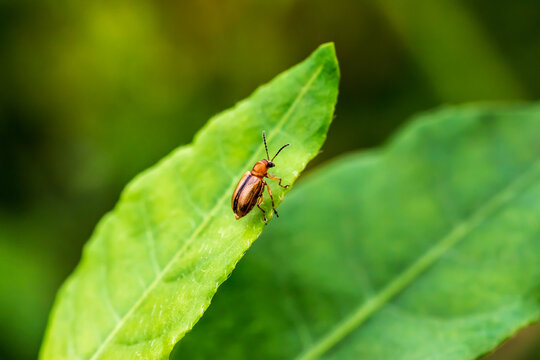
(246,194)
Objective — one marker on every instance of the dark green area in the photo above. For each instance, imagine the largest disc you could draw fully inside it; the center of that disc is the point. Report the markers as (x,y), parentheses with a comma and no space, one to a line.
(427,248)
(93,93)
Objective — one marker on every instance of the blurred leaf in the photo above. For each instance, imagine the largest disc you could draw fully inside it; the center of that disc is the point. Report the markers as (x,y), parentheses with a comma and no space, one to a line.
(26,292)
(452,48)
(153,264)
(428,248)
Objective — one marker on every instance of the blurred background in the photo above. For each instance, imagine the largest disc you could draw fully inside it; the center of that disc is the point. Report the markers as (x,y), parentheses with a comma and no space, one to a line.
(92,93)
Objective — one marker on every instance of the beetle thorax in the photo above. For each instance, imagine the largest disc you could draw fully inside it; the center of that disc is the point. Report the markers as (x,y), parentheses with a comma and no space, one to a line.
(260,168)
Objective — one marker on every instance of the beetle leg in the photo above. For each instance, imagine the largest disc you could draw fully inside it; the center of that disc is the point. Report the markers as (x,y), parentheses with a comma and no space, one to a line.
(272,198)
(264,212)
(272,177)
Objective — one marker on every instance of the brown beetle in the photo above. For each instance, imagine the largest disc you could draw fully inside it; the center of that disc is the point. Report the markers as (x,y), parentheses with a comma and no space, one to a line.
(250,188)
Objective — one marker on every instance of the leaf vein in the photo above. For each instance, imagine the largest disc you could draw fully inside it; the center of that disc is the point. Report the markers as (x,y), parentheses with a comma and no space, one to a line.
(107,296)
(150,239)
(432,255)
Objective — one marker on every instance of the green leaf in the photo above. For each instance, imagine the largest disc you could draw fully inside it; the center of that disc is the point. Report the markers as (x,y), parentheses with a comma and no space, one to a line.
(435,32)
(153,264)
(427,249)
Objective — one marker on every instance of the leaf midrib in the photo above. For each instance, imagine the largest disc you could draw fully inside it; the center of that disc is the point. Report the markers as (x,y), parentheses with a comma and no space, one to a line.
(430,257)
(203,224)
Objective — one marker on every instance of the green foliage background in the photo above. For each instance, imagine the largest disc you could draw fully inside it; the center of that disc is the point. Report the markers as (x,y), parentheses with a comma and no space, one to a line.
(93,93)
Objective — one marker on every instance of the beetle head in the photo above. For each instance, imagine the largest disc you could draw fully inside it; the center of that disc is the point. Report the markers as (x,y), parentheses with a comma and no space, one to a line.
(260,168)
(270,164)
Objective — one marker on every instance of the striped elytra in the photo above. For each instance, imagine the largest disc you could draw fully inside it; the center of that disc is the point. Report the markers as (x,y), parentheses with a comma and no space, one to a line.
(246,195)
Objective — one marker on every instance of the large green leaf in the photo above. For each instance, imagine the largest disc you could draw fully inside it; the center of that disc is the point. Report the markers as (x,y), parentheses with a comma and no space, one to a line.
(153,264)
(428,249)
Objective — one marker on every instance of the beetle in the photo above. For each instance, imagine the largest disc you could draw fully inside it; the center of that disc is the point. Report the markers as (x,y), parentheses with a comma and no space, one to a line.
(250,188)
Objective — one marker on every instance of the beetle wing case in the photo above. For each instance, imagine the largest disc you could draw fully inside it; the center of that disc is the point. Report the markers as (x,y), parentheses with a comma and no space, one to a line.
(246,194)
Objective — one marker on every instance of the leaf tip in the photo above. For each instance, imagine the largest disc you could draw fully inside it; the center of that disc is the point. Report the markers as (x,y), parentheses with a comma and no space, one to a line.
(327,52)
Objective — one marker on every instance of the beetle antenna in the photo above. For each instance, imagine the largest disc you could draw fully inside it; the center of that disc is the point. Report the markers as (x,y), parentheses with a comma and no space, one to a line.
(266,147)
(284,146)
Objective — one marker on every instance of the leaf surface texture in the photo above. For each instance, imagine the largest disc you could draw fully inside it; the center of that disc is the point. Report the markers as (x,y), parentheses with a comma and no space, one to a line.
(426,249)
(153,264)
